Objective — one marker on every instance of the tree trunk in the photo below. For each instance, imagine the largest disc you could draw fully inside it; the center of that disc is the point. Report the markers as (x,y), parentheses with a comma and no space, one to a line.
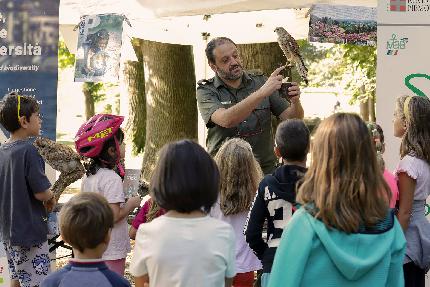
(89,102)
(136,125)
(372,114)
(364,106)
(261,56)
(265,57)
(170,88)
(364,110)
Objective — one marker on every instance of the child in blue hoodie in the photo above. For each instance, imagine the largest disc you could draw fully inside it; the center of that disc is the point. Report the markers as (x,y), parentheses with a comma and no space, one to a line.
(344,234)
(276,196)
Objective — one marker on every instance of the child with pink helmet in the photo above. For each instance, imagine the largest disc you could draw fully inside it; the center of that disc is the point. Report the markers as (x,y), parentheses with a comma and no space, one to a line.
(100,140)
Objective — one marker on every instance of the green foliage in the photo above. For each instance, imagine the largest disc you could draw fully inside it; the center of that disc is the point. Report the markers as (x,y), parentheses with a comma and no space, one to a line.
(96,90)
(352,68)
(65,58)
(107,109)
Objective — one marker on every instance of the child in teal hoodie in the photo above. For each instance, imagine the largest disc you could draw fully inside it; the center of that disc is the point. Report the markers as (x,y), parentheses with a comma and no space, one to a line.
(344,234)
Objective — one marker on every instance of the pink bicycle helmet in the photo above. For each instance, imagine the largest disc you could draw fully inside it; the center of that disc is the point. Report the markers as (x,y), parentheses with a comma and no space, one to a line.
(92,135)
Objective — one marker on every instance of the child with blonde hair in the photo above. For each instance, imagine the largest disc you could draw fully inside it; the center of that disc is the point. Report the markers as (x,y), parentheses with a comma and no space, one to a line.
(344,234)
(240,176)
(412,124)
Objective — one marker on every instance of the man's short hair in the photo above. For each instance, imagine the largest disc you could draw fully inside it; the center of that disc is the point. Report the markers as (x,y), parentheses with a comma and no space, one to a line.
(215,42)
(85,220)
(9,110)
(292,139)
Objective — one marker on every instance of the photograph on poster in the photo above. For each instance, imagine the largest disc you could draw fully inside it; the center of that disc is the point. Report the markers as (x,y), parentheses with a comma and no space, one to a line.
(343,25)
(99,47)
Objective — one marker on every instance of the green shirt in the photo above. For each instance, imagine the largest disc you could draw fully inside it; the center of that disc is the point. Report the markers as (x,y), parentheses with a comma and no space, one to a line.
(256,129)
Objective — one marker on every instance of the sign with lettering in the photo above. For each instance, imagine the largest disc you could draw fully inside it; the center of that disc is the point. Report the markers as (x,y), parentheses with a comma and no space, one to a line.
(131,182)
(28,54)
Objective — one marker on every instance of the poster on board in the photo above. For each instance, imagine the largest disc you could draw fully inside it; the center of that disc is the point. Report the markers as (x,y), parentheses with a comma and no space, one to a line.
(403,66)
(342,24)
(99,48)
(28,54)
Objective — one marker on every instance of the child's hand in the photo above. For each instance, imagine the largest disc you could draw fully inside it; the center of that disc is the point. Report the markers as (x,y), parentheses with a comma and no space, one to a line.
(50,204)
(135,201)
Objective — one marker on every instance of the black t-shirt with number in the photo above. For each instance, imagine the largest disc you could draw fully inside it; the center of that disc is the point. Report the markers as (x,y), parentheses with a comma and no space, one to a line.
(274,203)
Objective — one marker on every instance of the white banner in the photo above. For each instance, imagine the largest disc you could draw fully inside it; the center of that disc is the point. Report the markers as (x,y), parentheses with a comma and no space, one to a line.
(403,63)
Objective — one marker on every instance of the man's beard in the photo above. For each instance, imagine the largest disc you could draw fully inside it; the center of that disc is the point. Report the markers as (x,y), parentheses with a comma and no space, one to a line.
(229,75)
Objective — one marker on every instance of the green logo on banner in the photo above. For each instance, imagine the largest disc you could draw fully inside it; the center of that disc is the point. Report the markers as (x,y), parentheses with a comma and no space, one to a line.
(411,87)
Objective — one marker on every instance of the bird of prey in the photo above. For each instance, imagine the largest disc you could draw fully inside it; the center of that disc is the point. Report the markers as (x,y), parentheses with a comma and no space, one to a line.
(291,51)
(63,159)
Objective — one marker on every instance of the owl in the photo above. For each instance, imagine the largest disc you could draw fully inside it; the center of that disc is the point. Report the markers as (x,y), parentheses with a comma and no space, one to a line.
(291,51)
(63,159)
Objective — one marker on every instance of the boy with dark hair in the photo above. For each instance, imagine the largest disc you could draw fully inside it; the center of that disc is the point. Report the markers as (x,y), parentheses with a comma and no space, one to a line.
(276,195)
(85,223)
(24,193)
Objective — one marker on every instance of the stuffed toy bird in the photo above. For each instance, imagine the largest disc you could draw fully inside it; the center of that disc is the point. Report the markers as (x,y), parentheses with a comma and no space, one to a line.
(63,159)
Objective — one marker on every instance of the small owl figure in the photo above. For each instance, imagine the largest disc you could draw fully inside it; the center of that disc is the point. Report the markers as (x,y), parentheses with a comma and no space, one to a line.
(291,51)
(63,159)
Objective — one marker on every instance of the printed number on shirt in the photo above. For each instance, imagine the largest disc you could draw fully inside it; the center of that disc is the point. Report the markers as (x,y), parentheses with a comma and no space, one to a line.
(286,210)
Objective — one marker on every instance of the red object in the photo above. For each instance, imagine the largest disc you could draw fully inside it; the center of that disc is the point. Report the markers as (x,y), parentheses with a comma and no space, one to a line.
(244,279)
(95,132)
(141,216)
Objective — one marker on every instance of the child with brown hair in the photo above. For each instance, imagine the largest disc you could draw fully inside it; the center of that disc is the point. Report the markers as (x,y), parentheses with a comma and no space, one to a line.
(240,175)
(344,234)
(25,194)
(86,221)
(412,124)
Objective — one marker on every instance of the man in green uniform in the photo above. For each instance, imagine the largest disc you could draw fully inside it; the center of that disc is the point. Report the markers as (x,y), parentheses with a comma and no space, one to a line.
(237,103)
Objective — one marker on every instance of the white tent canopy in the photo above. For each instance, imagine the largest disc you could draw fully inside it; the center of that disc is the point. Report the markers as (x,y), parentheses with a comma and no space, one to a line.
(163,8)
(141,9)
(181,21)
